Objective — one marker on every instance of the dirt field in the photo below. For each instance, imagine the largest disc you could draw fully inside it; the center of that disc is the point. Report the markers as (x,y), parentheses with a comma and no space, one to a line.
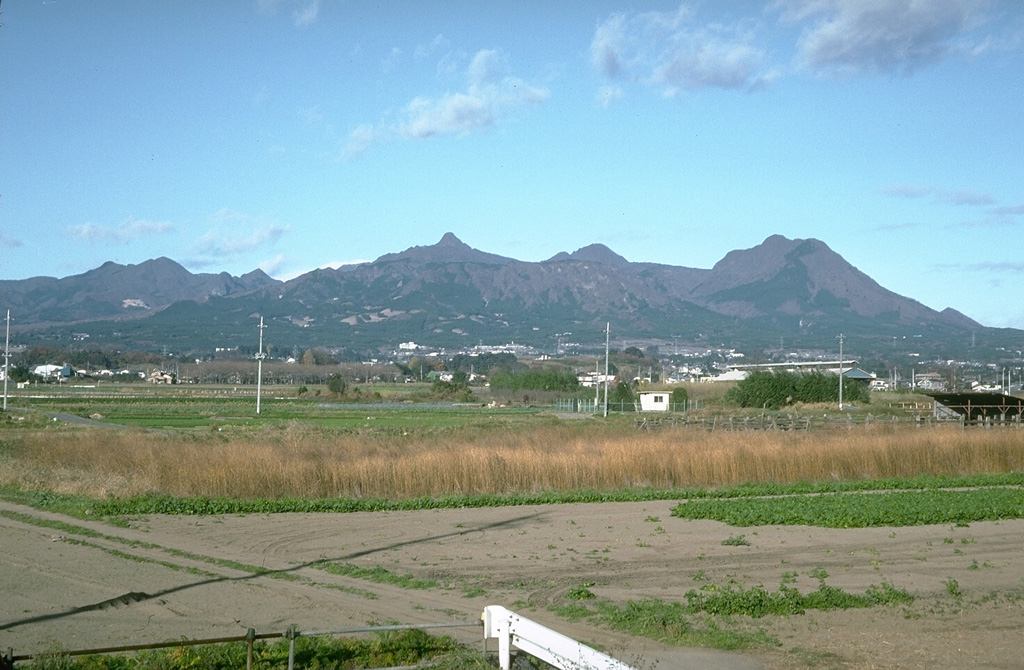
(75,591)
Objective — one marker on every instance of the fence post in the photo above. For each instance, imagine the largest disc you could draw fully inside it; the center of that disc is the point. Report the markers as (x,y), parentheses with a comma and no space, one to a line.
(291,635)
(7,660)
(250,637)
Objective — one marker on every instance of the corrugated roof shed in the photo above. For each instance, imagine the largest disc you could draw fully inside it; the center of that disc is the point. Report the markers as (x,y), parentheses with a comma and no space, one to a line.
(977,406)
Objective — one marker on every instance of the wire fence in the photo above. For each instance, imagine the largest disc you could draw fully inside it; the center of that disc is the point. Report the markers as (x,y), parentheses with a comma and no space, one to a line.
(8,659)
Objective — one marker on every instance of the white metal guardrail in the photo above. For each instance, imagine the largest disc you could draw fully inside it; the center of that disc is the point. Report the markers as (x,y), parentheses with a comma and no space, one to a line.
(513,630)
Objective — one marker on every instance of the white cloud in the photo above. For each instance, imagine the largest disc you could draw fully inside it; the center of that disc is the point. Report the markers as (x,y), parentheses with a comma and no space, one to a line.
(424,50)
(307,15)
(360,139)
(389,63)
(235,233)
(490,95)
(224,244)
(130,229)
(608,94)
(850,37)
(272,265)
(671,51)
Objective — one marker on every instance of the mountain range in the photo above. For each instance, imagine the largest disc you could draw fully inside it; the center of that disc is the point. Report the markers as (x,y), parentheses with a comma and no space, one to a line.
(797,291)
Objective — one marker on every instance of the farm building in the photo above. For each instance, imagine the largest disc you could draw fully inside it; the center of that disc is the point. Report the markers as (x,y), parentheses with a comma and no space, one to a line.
(974,407)
(655,401)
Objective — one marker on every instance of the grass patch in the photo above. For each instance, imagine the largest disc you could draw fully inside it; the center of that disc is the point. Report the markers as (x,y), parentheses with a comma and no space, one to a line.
(376,574)
(706,618)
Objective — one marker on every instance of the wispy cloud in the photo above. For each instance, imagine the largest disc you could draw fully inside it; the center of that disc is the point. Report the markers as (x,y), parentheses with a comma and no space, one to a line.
(891,36)
(1009,210)
(1007,267)
(959,197)
(304,15)
(235,233)
(491,94)
(606,95)
(439,43)
(389,63)
(673,52)
(131,229)
(906,225)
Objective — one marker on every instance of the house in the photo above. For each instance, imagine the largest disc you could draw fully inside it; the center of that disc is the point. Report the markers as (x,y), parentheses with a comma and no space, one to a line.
(47,371)
(160,377)
(592,380)
(655,401)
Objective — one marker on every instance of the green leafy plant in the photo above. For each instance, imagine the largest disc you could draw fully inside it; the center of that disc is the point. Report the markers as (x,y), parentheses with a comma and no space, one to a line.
(736,541)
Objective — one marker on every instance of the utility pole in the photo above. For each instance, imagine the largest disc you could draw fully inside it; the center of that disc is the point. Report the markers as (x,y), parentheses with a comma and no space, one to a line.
(607,335)
(259,368)
(7,357)
(840,372)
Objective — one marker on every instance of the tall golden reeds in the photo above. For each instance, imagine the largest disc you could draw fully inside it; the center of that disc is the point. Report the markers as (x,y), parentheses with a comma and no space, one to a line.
(300,462)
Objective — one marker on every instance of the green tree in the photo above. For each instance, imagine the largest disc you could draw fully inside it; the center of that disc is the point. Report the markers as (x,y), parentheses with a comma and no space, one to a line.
(546,379)
(336,385)
(778,389)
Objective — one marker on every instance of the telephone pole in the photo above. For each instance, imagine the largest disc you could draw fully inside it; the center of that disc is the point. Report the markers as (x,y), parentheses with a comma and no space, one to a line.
(840,372)
(259,367)
(607,335)
(7,357)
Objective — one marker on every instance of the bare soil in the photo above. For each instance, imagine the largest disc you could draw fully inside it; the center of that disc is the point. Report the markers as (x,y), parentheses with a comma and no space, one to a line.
(168,577)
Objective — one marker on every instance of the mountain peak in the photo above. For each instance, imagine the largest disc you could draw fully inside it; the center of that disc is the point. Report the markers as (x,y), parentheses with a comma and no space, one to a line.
(449,240)
(449,249)
(598,253)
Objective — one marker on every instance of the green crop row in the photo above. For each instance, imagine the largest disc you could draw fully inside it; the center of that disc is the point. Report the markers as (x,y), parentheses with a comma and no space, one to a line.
(919,500)
(860,510)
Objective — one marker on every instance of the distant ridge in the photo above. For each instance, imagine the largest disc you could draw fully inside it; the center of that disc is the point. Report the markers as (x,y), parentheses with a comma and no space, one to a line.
(793,290)
(118,291)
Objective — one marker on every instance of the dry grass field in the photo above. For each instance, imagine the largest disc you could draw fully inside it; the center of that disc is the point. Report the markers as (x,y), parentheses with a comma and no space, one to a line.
(297,461)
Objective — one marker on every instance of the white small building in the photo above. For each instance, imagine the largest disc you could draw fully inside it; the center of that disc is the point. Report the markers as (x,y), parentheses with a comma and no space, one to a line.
(47,371)
(655,401)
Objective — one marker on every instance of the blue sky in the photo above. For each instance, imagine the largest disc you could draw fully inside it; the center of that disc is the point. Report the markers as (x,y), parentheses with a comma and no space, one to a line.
(293,134)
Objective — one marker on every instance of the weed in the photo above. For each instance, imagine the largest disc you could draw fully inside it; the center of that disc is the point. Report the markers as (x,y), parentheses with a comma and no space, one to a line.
(581,592)
(953,587)
(736,541)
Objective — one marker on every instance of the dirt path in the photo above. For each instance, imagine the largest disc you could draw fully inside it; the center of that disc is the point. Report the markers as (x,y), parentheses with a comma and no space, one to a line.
(167,577)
